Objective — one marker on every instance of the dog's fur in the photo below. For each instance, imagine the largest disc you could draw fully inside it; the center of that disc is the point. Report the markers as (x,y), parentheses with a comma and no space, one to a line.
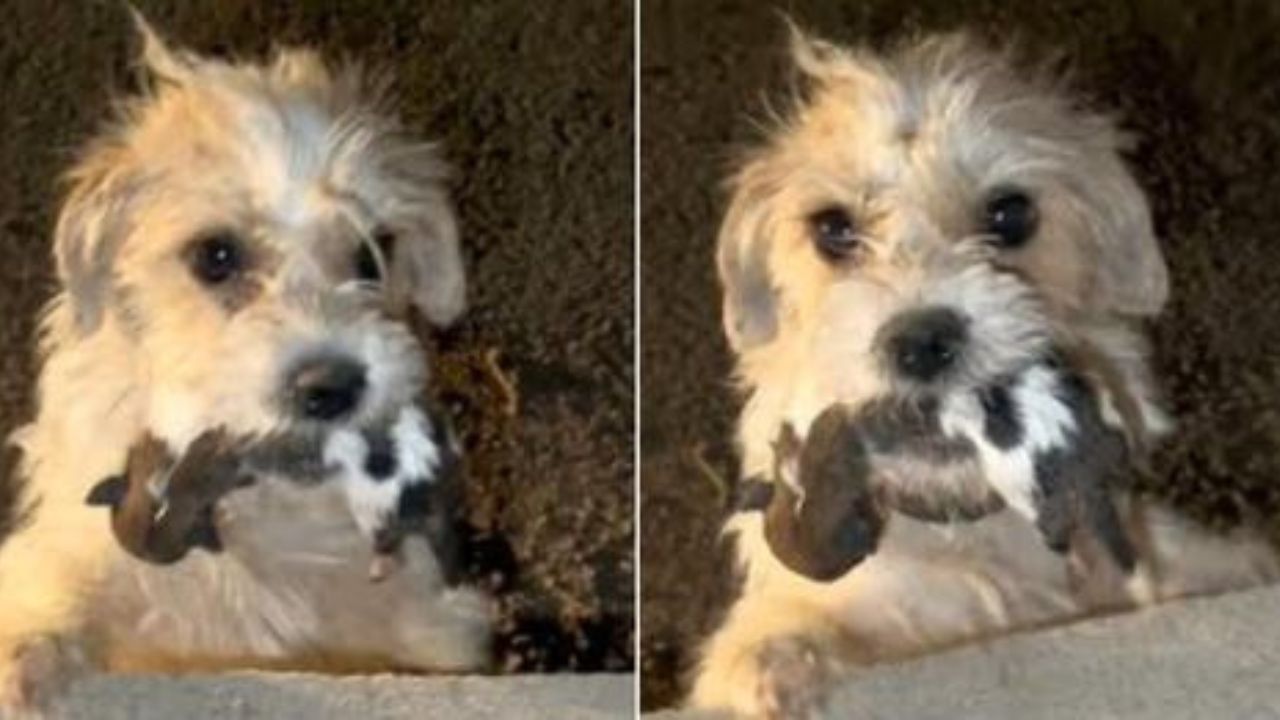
(302,162)
(910,144)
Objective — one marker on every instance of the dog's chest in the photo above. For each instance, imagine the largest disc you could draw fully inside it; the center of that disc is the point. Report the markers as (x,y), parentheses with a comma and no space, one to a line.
(935,583)
(294,568)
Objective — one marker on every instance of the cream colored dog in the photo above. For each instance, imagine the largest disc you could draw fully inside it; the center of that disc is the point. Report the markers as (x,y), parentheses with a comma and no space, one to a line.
(926,222)
(238,251)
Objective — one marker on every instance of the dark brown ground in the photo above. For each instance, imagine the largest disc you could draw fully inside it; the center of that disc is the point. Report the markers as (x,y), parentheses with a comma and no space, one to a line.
(534,104)
(1198,80)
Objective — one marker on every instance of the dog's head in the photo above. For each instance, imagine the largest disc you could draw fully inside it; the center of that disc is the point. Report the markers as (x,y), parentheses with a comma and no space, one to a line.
(926,220)
(258,232)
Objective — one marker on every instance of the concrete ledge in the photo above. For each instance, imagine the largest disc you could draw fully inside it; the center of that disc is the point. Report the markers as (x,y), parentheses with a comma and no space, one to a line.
(1207,658)
(278,696)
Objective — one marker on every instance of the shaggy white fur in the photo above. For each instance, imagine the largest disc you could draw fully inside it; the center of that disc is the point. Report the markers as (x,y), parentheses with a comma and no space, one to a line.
(298,166)
(894,159)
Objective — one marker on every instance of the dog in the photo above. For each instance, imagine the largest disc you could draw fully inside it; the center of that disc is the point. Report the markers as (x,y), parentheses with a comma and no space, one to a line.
(241,250)
(925,221)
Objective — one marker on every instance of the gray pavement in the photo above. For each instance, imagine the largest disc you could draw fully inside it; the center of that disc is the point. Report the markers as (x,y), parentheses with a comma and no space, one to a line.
(1212,658)
(280,696)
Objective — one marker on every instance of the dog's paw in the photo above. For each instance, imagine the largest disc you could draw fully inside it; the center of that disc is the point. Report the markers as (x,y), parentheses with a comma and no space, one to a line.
(781,678)
(34,673)
(794,680)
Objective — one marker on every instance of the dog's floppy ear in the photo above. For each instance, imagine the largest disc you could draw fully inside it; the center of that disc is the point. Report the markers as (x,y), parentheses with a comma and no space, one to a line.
(94,219)
(750,300)
(426,262)
(90,230)
(1130,276)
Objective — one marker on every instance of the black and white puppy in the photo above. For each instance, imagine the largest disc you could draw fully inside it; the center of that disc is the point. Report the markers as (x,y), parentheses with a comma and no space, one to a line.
(399,479)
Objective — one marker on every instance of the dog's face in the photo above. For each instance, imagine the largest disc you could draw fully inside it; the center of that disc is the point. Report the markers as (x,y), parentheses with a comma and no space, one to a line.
(258,232)
(928,220)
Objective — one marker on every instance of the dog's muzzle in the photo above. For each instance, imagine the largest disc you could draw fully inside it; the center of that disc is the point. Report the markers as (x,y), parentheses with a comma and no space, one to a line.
(924,344)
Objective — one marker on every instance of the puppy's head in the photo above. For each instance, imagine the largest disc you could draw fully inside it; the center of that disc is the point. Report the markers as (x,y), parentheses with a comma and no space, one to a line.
(257,232)
(926,220)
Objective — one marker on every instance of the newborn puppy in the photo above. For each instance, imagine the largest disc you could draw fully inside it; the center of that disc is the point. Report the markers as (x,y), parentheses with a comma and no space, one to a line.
(1037,438)
(162,507)
(399,479)
(1045,448)
(836,519)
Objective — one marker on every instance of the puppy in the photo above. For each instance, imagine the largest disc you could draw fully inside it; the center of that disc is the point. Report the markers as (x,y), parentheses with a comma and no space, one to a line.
(161,506)
(923,223)
(398,480)
(239,250)
(1035,438)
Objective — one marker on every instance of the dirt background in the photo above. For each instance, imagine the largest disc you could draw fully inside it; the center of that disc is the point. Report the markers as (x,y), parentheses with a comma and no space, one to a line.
(533,103)
(1197,80)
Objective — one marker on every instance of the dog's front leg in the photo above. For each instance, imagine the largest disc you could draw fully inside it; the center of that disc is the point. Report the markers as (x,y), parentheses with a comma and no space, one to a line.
(36,671)
(777,658)
(47,574)
(53,565)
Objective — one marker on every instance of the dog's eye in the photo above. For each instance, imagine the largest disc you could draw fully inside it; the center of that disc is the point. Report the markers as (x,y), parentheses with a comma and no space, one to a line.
(216,258)
(833,233)
(1011,217)
(366,264)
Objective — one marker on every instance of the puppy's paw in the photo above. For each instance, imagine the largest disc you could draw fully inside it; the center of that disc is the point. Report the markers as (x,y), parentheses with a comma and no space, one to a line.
(794,679)
(34,673)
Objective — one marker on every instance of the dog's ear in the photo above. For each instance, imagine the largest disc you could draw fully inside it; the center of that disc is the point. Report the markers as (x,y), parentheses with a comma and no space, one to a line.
(1130,276)
(91,229)
(750,299)
(94,219)
(426,261)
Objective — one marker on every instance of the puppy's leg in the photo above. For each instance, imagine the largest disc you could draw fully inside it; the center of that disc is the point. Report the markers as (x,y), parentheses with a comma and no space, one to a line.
(776,657)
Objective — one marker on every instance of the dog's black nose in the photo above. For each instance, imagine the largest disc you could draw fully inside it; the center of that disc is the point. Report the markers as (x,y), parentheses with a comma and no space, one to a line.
(326,388)
(923,344)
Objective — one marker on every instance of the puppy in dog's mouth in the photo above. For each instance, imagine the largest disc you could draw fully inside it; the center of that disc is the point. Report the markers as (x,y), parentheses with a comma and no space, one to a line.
(1036,441)
(398,479)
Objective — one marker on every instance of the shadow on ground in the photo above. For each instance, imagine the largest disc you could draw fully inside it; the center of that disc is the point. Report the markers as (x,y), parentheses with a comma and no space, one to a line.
(1197,83)
(533,104)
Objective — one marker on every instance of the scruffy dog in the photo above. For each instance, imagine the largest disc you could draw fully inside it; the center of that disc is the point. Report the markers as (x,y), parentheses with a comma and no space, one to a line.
(239,251)
(923,223)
